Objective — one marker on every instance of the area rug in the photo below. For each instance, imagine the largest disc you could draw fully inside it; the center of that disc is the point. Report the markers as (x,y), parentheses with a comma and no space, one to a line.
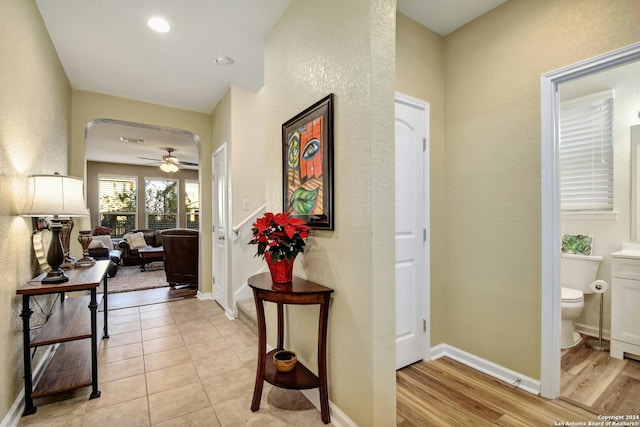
(130,278)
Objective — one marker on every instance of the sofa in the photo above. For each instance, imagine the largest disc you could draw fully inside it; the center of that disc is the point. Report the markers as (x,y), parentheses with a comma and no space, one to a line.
(130,255)
(181,247)
(102,248)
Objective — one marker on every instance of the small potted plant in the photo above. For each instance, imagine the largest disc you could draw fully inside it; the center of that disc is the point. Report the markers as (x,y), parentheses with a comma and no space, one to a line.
(280,238)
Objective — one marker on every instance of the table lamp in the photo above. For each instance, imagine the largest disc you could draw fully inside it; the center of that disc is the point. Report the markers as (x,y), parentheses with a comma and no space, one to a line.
(53,196)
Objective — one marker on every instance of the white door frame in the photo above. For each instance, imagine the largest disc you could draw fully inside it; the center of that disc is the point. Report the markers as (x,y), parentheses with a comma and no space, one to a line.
(426,303)
(550,208)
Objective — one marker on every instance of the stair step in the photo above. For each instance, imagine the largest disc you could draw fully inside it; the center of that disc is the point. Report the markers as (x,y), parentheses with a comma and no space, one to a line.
(247,314)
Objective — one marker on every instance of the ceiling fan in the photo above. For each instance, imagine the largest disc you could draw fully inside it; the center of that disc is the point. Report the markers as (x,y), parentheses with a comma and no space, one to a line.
(169,162)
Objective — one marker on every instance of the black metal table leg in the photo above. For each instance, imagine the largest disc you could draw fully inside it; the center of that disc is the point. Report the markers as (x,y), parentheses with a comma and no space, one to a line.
(105,330)
(26,342)
(93,306)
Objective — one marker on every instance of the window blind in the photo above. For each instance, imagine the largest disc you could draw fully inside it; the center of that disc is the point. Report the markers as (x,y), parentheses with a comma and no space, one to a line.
(586,154)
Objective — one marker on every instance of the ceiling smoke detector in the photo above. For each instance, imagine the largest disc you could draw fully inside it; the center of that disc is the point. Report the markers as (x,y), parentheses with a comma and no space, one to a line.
(223,60)
(131,140)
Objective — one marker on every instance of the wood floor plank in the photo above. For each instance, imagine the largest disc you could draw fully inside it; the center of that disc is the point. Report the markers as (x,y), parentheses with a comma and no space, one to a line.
(447,393)
(436,395)
(632,369)
(621,397)
(593,379)
(597,382)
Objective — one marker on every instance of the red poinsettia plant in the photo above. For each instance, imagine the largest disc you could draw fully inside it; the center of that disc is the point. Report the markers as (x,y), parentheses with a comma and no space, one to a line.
(280,235)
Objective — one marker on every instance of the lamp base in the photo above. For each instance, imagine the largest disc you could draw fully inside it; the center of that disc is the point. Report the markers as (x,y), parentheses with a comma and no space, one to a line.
(55,276)
(69,262)
(87,261)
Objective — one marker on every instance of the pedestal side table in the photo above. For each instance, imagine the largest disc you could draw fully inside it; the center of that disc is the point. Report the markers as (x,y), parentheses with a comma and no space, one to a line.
(302,292)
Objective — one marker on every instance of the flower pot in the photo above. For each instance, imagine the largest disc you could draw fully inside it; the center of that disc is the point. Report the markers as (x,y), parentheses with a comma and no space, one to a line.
(281,270)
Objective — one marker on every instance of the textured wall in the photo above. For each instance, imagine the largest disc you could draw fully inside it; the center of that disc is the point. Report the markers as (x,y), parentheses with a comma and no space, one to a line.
(247,167)
(492,161)
(35,110)
(420,74)
(345,48)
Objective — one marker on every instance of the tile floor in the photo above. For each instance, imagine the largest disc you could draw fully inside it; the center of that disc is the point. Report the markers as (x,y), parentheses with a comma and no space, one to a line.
(181,363)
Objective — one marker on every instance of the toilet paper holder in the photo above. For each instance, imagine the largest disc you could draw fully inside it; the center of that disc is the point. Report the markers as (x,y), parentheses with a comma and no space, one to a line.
(599,287)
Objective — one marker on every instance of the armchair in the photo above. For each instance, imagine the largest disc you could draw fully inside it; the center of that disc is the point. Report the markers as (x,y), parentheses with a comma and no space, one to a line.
(181,256)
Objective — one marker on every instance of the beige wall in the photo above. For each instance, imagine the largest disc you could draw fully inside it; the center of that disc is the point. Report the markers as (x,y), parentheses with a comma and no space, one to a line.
(35,112)
(247,151)
(88,106)
(238,121)
(311,52)
(492,164)
(247,166)
(420,74)
(95,169)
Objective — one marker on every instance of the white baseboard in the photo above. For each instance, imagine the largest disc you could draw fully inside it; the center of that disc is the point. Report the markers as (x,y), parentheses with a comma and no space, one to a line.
(485,366)
(17,409)
(204,295)
(338,417)
(593,331)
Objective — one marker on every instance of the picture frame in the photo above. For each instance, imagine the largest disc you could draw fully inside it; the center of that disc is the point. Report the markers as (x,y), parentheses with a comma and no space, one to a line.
(307,165)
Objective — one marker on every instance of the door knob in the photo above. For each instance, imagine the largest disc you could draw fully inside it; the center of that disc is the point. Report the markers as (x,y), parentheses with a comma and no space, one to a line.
(221,238)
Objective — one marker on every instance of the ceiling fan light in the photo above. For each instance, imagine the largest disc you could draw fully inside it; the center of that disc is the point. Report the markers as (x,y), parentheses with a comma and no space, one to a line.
(169,167)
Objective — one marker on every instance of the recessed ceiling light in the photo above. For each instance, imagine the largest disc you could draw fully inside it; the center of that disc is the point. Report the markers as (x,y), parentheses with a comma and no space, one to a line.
(223,60)
(159,24)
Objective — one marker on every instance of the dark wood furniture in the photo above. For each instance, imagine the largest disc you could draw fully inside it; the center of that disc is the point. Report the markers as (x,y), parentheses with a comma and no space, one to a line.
(150,254)
(70,325)
(181,246)
(300,291)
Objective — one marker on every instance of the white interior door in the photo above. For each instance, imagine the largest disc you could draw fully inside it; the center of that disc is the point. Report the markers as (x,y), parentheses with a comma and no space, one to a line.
(412,236)
(220,203)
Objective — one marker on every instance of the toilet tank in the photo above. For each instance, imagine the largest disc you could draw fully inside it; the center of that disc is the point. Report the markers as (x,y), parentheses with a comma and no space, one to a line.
(579,271)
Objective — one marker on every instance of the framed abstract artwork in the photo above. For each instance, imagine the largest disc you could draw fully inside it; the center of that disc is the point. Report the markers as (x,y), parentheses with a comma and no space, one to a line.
(307,165)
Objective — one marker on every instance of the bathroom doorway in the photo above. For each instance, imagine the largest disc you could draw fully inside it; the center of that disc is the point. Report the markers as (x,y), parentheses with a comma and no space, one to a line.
(570,82)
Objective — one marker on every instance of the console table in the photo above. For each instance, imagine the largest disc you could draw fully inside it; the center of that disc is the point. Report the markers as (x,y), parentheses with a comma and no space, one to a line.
(70,326)
(300,291)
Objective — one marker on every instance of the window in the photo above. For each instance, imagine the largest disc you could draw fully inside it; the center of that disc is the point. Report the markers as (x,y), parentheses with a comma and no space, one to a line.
(117,197)
(192,204)
(586,154)
(161,203)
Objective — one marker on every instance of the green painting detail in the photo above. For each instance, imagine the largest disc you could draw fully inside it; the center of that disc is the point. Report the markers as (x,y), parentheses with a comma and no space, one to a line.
(577,244)
(293,154)
(303,200)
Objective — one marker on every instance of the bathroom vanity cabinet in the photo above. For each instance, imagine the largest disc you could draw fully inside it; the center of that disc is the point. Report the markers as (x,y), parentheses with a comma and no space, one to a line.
(625,300)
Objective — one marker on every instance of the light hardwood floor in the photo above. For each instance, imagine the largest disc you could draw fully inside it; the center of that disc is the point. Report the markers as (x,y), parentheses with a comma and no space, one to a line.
(596,381)
(149,296)
(444,392)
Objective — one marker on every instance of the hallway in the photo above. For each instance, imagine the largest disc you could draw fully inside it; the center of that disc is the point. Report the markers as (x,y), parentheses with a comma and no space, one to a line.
(170,364)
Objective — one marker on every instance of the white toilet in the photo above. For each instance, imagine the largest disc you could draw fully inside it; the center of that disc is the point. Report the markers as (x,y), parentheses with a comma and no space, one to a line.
(577,272)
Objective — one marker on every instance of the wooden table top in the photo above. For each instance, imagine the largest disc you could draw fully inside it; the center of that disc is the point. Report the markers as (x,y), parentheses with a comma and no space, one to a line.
(79,279)
(298,286)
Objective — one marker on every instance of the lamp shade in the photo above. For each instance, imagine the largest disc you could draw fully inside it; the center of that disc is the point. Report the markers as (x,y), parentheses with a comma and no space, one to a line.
(50,195)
